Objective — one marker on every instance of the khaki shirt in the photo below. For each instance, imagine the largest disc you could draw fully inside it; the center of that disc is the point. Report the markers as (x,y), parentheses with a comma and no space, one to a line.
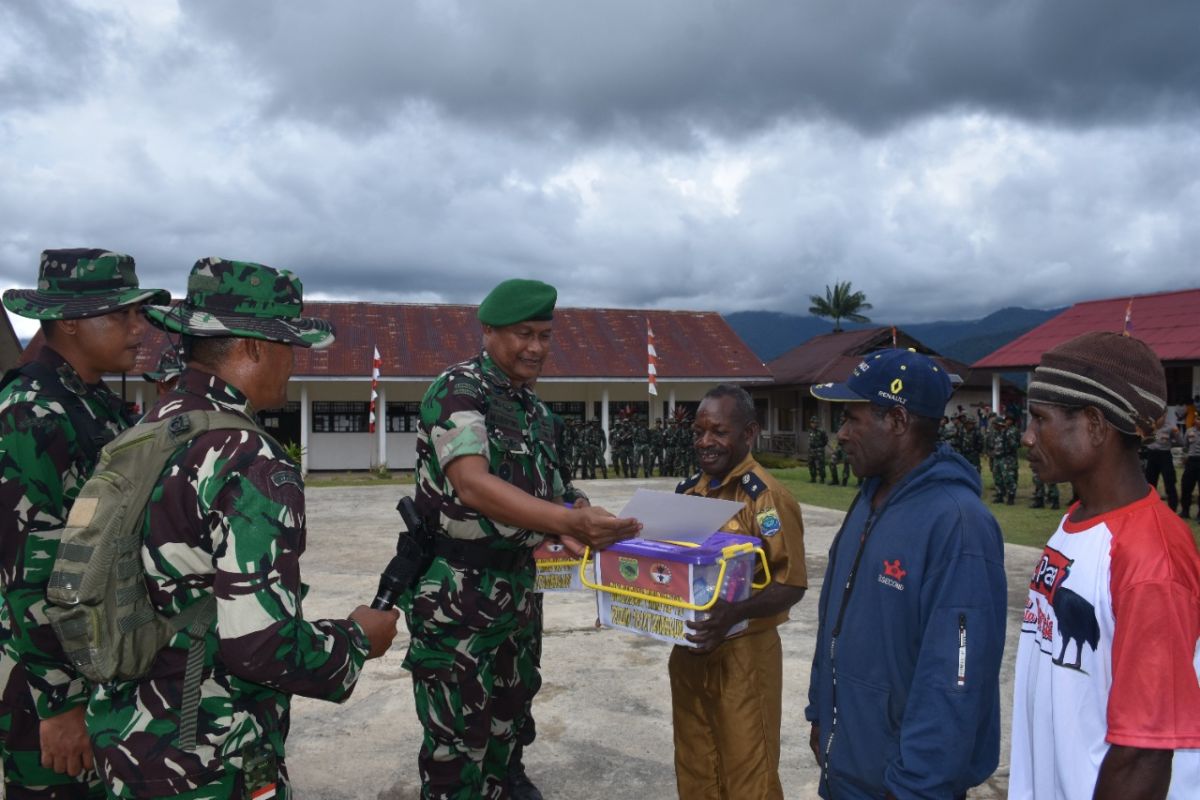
(771,514)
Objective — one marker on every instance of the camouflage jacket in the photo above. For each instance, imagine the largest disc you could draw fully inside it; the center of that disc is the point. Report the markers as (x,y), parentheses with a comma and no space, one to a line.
(227,518)
(1006,442)
(44,462)
(473,409)
(817,440)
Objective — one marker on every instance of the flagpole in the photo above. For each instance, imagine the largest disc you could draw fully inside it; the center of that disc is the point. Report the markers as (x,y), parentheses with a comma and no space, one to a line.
(380,452)
(651,371)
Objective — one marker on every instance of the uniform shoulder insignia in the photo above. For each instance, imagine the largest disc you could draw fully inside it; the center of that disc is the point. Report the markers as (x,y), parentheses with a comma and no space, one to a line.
(753,485)
(286,476)
(687,483)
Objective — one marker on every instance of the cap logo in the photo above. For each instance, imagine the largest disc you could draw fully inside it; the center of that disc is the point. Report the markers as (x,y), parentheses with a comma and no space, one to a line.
(897,386)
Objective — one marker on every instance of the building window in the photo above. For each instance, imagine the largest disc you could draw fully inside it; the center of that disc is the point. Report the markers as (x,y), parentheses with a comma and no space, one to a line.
(340,417)
(403,417)
(570,411)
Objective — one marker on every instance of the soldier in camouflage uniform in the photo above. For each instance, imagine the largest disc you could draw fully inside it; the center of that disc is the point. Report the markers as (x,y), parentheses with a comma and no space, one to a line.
(166,373)
(1043,494)
(227,519)
(55,415)
(1005,446)
(658,446)
(597,445)
(623,448)
(641,450)
(817,440)
(486,484)
(567,448)
(971,443)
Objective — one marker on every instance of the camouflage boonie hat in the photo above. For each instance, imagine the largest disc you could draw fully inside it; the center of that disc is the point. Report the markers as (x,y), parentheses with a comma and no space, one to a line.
(81,282)
(170,365)
(239,298)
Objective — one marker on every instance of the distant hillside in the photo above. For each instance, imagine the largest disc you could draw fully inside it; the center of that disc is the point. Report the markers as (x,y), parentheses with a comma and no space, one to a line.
(770,334)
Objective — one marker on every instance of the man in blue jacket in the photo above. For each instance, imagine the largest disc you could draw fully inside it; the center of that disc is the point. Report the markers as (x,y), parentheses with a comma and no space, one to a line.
(904,699)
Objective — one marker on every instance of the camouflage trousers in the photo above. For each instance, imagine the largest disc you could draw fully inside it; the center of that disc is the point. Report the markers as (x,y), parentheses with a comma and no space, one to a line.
(473,659)
(1043,493)
(528,730)
(816,467)
(20,741)
(645,458)
(1006,477)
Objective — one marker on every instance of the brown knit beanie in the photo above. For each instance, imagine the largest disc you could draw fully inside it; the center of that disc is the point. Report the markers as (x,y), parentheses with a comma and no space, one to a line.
(1117,374)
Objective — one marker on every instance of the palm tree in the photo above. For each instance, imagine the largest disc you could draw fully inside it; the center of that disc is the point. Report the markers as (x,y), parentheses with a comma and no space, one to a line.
(840,303)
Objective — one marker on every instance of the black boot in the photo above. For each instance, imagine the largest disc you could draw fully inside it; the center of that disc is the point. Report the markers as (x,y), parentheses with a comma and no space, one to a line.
(1037,504)
(519,785)
(1054,505)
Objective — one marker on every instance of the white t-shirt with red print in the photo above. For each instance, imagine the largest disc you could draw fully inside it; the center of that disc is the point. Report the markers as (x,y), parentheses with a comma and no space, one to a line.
(1109,653)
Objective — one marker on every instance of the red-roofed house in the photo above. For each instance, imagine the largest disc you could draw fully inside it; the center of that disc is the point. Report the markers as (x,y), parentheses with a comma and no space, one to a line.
(598,366)
(786,405)
(1167,321)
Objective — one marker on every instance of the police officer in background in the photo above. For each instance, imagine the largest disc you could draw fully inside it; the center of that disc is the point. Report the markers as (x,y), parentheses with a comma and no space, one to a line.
(487,484)
(55,415)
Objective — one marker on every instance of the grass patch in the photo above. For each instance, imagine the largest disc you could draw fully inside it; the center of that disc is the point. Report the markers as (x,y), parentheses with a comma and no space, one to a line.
(324,480)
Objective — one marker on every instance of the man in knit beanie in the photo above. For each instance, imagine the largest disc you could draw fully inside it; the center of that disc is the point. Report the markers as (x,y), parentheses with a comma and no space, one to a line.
(1106,685)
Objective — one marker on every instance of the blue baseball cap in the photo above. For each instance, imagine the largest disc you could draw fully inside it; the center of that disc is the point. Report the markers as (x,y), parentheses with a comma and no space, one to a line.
(894,378)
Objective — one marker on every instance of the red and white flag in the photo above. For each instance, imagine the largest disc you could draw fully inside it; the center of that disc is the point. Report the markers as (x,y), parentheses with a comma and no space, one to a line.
(652,359)
(375,365)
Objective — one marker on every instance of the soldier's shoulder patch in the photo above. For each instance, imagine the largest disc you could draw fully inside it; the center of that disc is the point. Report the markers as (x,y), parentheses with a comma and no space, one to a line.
(752,485)
(287,476)
(768,522)
(466,386)
(685,485)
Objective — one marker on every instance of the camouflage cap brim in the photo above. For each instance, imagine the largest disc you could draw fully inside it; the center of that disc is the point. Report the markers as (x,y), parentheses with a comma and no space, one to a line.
(299,331)
(35,304)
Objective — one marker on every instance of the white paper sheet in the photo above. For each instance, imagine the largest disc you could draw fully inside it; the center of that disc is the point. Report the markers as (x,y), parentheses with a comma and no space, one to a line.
(681,517)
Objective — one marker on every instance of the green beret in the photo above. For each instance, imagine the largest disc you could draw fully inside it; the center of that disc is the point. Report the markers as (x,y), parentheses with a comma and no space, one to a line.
(518,300)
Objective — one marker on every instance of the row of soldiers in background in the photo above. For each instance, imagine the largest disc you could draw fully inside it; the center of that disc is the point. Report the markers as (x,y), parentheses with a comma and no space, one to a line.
(665,445)
(1001,443)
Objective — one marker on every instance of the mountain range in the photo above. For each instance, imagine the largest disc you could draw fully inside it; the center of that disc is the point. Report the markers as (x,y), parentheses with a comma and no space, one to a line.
(770,334)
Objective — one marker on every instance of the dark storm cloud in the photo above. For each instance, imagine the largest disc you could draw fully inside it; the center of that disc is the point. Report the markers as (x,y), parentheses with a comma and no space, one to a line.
(620,67)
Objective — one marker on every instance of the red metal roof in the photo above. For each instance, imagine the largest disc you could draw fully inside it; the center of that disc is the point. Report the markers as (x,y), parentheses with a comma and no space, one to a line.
(419,341)
(831,357)
(1169,322)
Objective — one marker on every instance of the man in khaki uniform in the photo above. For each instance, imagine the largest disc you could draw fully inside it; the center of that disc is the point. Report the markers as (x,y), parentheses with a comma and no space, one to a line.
(727,694)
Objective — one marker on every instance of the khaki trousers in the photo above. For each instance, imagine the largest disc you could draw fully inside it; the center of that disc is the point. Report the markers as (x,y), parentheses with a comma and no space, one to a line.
(726,708)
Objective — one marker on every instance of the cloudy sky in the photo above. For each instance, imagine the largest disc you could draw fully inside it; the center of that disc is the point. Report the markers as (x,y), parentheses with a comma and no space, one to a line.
(948,157)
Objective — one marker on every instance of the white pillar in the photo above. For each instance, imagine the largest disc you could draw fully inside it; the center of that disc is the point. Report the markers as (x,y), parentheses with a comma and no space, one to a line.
(381,424)
(996,392)
(305,424)
(137,399)
(604,423)
(671,403)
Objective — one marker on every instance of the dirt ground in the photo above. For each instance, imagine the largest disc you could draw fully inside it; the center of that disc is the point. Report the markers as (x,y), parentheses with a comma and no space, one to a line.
(603,714)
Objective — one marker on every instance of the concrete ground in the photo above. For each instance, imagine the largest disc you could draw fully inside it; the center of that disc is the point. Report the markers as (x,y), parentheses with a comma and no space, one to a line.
(604,711)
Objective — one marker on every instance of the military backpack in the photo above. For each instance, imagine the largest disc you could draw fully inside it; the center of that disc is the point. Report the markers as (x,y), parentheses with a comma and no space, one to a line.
(100,606)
